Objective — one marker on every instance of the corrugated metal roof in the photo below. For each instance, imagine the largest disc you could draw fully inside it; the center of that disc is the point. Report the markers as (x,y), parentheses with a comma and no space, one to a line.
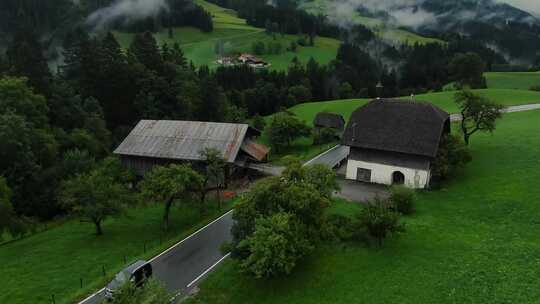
(183,140)
(255,150)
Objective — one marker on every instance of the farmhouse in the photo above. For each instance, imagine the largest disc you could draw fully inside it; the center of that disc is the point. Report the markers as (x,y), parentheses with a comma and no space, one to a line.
(329,120)
(162,142)
(243,59)
(394,142)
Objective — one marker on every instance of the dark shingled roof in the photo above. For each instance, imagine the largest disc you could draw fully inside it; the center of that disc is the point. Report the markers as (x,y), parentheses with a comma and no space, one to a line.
(329,120)
(397,126)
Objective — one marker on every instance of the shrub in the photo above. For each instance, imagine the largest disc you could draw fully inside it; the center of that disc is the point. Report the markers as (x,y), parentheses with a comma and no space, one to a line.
(403,200)
(258,122)
(324,136)
(225,248)
(293,47)
(338,227)
(452,156)
(302,41)
(380,220)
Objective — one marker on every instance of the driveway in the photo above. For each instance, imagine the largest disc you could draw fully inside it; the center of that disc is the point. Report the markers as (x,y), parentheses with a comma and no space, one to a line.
(360,192)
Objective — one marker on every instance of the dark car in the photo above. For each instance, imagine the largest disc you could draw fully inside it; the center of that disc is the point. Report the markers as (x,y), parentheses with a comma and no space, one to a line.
(137,273)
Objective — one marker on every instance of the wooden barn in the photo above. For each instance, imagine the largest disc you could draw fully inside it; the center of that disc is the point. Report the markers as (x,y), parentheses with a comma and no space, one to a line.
(394,142)
(162,142)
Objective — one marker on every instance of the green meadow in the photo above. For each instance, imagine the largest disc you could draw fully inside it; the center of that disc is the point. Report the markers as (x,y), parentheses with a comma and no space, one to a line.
(444,100)
(512,80)
(54,261)
(237,37)
(474,240)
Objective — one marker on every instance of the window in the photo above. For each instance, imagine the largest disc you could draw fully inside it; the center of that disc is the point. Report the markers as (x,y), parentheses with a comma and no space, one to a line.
(363,175)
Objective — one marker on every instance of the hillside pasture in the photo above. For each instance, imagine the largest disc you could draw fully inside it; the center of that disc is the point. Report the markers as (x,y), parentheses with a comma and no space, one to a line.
(444,100)
(474,240)
(236,36)
(54,261)
(512,80)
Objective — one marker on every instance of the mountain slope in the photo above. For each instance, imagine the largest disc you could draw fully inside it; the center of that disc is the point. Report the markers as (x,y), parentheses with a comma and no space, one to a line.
(510,31)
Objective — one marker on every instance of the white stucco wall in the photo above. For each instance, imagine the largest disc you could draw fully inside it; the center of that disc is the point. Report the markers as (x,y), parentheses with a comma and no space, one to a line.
(382,174)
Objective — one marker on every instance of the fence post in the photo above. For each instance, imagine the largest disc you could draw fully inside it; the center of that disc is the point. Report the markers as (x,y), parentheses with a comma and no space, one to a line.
(103,269)
(53,300)
(80,281)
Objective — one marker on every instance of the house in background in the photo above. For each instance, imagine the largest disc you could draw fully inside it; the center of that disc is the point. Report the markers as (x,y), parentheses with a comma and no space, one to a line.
(394,142)
(331,121)
(162,142)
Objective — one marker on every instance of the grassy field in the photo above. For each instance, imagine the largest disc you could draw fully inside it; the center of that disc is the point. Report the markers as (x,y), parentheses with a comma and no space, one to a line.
(444,100)
(53,262)
(236,37)
(473,241)
(512,80)
(390,34)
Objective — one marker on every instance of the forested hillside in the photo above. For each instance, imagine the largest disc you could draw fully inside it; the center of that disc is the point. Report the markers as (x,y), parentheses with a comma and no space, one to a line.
(510,32)
(51,20)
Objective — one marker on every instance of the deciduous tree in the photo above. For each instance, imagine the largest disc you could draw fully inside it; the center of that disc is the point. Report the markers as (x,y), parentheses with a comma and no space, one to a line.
(284,128)
(478,114)
(167,184)
(280,220)
(215,171)
(96,196)
(275,247)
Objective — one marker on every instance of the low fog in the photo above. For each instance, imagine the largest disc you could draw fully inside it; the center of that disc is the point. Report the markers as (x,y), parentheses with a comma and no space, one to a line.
(130,9)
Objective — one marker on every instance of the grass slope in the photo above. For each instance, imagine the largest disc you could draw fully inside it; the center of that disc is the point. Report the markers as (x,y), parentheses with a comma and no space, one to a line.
(512,80)
(444,100)
(237,36)
(473,241)
(52,262)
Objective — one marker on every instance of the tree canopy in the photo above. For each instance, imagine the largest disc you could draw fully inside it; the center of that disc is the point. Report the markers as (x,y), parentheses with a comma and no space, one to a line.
(280,220)
(467,70)
(97,195)
(165,185)
(478,114)
(284,128)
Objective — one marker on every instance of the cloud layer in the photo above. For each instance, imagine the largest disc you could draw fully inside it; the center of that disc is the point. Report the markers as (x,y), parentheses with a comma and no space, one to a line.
(126,9)
(531,6)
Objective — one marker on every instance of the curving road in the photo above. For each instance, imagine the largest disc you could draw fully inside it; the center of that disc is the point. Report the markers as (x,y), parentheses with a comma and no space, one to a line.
(183,265)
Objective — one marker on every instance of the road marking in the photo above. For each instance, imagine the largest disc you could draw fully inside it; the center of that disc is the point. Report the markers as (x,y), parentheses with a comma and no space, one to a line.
(169,249)
(208,270)
(92,295)
(189,237)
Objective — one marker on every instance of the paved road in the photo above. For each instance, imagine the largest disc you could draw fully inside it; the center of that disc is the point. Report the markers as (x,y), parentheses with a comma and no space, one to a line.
(183,265)
(512,109)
